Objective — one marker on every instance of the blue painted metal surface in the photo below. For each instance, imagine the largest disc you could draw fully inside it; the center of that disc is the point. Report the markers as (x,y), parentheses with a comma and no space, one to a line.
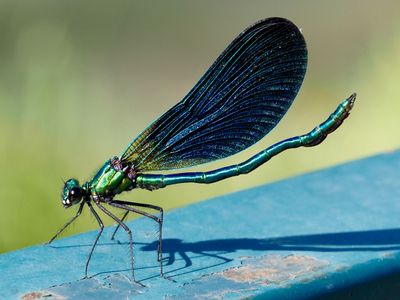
(297,238)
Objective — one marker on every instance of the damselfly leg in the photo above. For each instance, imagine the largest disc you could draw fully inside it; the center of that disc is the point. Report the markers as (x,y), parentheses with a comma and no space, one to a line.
(101,225)
(68,223)
(118,226)
(129,207)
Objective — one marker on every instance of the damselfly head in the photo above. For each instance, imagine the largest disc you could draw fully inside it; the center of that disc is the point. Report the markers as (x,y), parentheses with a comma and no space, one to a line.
(72,193)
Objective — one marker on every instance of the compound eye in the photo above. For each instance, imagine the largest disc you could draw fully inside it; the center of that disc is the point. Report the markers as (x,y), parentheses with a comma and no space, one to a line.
(75,194)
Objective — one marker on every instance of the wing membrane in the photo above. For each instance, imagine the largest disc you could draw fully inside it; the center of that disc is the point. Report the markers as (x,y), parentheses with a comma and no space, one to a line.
(237,102)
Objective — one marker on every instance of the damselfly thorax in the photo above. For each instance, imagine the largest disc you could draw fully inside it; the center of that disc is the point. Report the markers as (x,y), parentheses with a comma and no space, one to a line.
(113,178)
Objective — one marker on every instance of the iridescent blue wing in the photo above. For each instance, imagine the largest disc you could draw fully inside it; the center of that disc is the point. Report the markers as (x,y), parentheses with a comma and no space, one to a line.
(237,102)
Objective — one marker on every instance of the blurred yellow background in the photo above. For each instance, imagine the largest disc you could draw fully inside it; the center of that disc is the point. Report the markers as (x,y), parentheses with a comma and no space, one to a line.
(80,79)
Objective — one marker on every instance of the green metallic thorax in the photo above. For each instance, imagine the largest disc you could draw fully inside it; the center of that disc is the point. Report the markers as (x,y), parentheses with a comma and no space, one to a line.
(109,182)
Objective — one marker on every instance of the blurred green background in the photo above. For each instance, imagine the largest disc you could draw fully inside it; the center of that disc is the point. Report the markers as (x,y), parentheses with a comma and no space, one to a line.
(80,79)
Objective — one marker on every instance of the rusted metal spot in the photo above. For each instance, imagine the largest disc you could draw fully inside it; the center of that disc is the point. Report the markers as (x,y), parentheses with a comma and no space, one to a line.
(253,275)
(41,295)
(116,286)
(388,255)
(275,269)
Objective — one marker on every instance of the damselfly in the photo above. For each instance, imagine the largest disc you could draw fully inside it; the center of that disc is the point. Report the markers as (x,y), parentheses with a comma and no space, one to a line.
(241,98)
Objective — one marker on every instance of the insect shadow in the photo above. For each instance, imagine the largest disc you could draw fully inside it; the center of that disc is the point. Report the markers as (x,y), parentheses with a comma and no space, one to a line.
(222,249)
(372,240)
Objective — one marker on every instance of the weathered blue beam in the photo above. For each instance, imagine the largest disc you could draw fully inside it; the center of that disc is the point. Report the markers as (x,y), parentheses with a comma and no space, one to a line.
(307,236)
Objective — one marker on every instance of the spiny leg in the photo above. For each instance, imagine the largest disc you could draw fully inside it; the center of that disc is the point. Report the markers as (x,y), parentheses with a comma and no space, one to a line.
(118,226)
(68,223)
(127,230)
(158,220)
(158,208)
(128,206)
(101,225)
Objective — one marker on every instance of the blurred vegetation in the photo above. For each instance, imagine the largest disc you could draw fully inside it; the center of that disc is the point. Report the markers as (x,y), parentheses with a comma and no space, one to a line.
(80,79)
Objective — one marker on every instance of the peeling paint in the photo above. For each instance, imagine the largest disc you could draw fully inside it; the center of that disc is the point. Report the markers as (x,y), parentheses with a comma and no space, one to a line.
(246,280)
(112,287)
(274,269)
(41,295)
(388,255)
